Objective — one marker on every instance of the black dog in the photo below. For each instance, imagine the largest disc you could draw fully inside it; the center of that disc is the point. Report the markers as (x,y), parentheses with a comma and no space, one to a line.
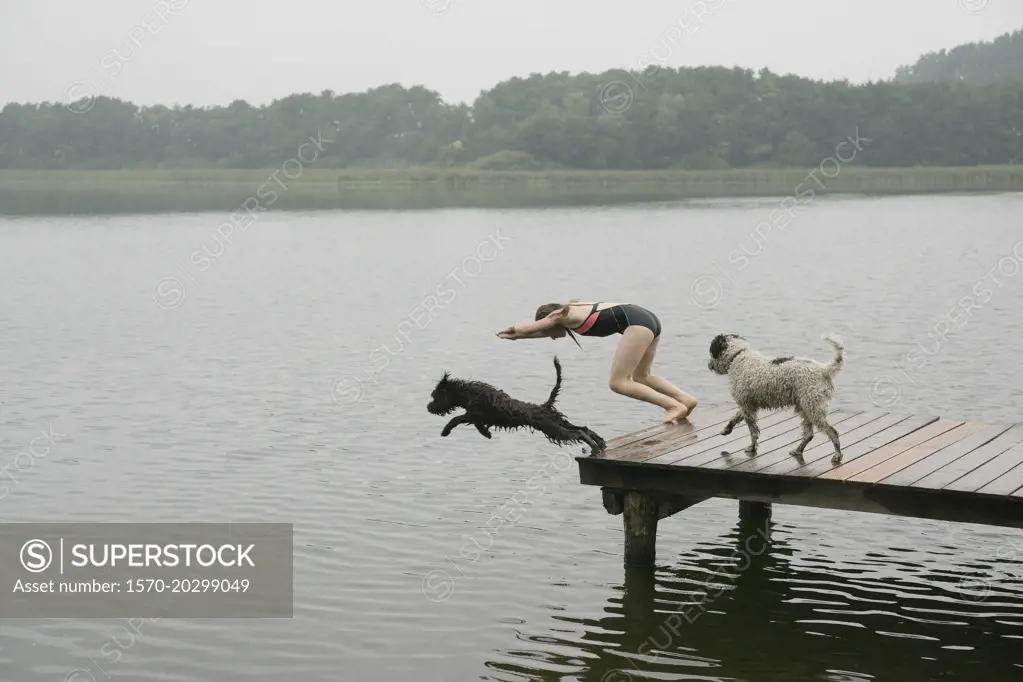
(486,406)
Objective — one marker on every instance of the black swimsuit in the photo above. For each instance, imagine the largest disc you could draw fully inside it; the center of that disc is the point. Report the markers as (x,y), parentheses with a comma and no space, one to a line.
(616,319)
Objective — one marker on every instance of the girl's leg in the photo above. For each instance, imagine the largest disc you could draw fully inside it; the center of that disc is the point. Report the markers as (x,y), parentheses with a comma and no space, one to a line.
(660,384)
(634,343)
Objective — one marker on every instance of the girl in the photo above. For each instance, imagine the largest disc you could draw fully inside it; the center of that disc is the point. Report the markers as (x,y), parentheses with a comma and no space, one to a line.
(630,369)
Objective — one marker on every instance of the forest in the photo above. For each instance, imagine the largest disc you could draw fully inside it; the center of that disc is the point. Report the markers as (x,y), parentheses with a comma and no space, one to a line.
(981,63)
(708,118)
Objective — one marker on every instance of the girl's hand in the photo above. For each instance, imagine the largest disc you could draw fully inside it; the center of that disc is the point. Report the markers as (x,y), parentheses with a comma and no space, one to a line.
(508,333)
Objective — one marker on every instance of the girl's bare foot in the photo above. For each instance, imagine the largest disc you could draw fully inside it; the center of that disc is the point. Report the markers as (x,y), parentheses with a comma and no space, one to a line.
(676,413)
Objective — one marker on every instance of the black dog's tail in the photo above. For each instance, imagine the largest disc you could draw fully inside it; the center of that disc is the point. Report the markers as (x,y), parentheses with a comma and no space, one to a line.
(557,384)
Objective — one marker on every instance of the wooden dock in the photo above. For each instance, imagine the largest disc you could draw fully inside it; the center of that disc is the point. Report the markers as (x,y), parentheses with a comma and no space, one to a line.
(896,464)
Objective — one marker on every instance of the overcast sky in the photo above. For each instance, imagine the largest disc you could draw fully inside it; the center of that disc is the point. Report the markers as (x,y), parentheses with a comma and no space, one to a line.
(214,51)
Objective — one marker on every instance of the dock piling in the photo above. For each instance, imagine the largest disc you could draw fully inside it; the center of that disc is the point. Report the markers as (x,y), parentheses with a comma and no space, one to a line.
(641,512)
(640,520)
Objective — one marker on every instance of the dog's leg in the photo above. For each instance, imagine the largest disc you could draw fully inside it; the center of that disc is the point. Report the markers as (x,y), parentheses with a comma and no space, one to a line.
(563,432)
(833,435)
(820,420)
(807,437)
(732,423)
(601,445)
(754,431)
(566,431)
(595,446)
(595,442)
(460,419)
(482,429)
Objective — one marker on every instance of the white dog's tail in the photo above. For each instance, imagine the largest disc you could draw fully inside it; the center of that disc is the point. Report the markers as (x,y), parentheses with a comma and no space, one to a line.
(836,365)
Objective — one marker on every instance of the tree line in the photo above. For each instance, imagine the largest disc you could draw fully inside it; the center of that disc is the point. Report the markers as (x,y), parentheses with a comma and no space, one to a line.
(978,63)
(689,118)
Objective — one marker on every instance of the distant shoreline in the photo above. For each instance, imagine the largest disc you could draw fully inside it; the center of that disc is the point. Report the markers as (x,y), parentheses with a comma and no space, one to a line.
(53,192)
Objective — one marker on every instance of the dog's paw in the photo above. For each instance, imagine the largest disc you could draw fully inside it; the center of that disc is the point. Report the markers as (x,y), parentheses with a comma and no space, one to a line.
(751,450)
(796,453)
(725,431)
(445,433)
(836,458)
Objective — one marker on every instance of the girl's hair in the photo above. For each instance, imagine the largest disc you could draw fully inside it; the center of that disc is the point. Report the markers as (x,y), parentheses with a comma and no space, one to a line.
(548,308)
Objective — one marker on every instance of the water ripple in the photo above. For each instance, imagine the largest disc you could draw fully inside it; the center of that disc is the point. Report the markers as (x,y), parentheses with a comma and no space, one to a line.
(222,410)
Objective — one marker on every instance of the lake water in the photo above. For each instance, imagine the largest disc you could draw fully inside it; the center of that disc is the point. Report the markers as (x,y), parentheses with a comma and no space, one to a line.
(285,378)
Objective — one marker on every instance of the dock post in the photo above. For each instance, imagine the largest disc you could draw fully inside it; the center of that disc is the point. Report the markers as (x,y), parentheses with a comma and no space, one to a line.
(640,518)
(751,510)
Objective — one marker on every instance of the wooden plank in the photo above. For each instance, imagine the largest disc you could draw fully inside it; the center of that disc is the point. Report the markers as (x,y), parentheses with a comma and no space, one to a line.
(925,467)
(820,461)
(845,428)
(1007,483)
(735,458)
(677,436)
(871,435)
(989,471)
(857,464)
(650,448)
(716,439)
(943,505)
(645,449)
(660,429)
(703,443)
(964,465)
(641,450)
(860,427)
(788,430)
(917,453)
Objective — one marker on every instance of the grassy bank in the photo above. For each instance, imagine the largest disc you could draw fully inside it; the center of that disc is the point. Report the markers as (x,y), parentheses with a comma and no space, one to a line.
(56,192)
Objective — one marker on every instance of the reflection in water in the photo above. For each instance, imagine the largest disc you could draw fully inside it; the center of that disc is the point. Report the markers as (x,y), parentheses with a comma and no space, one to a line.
(32,200)
(745,607)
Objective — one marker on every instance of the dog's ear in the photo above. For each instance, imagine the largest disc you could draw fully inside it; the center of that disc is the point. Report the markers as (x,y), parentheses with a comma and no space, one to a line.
(718,345)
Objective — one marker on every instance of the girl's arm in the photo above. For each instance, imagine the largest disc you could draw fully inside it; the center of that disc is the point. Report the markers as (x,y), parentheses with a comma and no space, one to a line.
(533,330)
(527,335)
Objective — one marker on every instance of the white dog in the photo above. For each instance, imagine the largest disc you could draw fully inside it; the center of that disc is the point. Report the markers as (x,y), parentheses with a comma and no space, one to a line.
(758,383)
